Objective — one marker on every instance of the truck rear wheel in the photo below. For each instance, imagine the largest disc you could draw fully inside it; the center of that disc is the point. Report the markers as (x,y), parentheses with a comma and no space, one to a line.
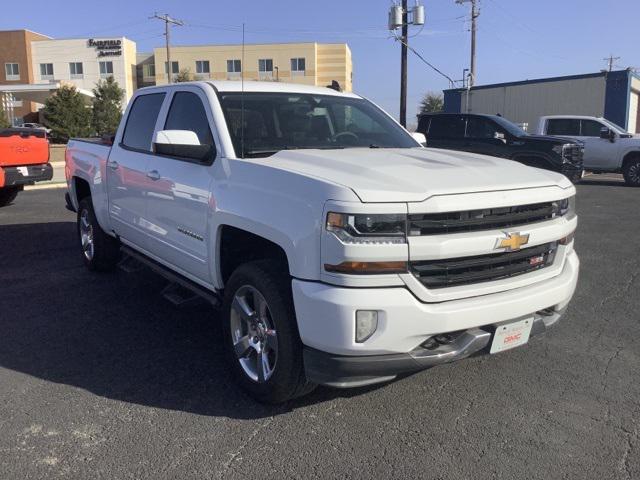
(100,252)
(631,171)
(261,334)
(8,195)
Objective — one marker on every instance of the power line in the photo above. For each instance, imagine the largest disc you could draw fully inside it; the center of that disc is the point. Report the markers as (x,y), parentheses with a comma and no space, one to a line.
(417,54)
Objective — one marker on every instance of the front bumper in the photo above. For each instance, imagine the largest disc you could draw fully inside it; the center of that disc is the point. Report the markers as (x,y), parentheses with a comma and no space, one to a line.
(326,323)
(343,371)
(25,175)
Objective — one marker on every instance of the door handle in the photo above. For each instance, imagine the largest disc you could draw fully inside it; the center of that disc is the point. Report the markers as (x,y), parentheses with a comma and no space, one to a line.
(153,175)
(112,164)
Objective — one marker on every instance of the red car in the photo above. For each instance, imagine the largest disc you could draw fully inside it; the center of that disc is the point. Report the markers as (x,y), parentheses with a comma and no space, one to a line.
(24,160)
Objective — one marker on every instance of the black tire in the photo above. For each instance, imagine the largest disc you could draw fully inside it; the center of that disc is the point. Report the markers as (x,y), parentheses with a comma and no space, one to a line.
(273,282)
(631,171)
(106,249)
(8,195)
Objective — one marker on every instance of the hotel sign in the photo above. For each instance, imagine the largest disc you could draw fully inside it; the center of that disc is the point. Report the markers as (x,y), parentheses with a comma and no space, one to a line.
(106,48)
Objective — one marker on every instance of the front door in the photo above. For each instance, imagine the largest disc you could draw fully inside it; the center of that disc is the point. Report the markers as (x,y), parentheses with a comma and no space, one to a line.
(178,199)
(599,153)
(127,167)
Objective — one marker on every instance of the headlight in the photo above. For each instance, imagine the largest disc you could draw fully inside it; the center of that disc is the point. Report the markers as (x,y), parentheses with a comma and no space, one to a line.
(368,229)
(565,207)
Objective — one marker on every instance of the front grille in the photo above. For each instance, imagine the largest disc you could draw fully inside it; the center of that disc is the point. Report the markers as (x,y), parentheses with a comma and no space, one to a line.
(476,220)
(572,154)
(482,268)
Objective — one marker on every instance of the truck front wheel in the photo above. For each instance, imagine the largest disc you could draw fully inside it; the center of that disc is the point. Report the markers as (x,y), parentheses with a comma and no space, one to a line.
(261,335)
(100,252)
(631,171)
(8,195)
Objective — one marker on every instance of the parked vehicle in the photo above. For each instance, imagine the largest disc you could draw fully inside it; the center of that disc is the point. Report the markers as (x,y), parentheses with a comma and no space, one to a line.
(24,160)
(607,146)
(341,252)
(496,136)
(36,126)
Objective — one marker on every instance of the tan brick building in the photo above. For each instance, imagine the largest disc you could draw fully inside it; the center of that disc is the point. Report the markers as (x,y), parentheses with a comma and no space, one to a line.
(307,63)
(16,66)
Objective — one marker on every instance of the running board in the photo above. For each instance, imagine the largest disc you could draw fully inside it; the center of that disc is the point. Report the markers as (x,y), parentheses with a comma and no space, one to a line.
(181,291)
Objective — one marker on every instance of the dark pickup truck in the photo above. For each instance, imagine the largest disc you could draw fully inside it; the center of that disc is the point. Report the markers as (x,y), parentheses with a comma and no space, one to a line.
(497,136)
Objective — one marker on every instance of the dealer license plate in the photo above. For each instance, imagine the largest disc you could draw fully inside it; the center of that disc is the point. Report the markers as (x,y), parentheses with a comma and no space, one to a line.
(511,335)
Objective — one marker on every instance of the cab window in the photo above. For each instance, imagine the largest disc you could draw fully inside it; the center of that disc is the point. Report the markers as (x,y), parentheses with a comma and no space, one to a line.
(590,128)
(187,113)
(478,127)
(447,126)
(141,122)
(563,126)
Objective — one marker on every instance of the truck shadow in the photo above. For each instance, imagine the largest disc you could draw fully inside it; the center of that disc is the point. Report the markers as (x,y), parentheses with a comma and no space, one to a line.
(113,334)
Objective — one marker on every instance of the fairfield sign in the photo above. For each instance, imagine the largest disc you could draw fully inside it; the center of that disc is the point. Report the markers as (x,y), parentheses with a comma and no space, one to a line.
(106,48)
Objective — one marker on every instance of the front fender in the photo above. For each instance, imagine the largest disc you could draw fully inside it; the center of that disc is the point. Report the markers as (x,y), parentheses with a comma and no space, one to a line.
(283,207)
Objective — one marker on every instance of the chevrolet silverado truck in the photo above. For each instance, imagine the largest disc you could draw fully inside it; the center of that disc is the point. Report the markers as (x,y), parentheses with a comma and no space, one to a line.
(340,250)
(24,160)
(495,135)
(607,146)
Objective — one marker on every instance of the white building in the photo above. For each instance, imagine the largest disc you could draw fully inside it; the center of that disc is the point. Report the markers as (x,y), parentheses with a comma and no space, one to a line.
(83,62)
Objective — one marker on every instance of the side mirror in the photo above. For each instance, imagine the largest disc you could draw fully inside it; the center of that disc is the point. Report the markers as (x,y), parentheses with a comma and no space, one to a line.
(420,138)
(183,144)
(607,134)
(500,136)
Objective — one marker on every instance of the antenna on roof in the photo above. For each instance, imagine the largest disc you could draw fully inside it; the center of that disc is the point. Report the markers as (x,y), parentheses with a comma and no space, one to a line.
(242,98)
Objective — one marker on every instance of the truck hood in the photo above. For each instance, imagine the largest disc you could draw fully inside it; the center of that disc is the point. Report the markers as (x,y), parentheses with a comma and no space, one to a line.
(411,175)
(553,139)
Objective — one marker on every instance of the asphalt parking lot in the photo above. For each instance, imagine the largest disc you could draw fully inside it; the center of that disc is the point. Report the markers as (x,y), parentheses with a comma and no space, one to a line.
(101,378)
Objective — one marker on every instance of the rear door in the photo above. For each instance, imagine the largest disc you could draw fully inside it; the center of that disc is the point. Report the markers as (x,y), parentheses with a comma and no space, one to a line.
(178,197)
(127,167)
(447,131)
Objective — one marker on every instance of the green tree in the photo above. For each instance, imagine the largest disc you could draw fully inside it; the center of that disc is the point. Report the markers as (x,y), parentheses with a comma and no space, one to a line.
(183,76)
(107,107)
(66,114)
(4,121)
(431,103)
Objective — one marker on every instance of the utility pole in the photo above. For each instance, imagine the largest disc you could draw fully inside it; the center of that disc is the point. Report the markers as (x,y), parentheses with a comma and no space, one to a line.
(475,13)
(403,65)
(167,21)
(610,61)
(399,18)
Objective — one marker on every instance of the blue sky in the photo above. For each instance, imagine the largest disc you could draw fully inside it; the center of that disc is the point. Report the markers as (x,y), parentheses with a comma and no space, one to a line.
(517,39)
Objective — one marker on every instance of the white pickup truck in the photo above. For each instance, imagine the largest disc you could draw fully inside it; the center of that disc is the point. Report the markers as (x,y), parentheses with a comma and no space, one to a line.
(340,250)
(607,146)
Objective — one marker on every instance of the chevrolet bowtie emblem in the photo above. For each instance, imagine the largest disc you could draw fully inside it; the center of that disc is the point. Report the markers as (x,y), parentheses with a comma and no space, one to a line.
(513,242)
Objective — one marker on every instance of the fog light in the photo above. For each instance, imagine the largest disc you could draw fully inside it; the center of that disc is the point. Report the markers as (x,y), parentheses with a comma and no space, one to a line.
(366,324)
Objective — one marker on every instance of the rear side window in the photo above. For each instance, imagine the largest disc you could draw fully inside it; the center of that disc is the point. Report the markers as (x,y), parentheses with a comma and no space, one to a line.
(563,126)
(591,128)
(187,113)
(138,133)
(447,126)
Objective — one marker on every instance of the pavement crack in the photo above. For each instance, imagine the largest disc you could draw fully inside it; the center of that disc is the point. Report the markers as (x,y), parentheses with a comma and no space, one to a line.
(237,452)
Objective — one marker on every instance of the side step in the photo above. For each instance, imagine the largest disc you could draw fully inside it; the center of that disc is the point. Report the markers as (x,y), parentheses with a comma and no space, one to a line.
(181,291)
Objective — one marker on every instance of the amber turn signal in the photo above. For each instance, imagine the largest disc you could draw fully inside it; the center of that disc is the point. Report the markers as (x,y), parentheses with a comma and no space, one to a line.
(367,268)
(568,239)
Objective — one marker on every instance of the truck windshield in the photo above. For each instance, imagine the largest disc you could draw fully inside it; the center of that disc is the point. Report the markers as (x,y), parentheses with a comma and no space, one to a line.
(262,124)
(509,126)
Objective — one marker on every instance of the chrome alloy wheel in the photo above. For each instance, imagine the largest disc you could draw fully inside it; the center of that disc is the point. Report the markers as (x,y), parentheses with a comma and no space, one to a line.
(86,236)
(254,338)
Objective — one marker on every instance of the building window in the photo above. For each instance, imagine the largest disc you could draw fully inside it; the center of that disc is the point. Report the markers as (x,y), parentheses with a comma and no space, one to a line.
(202,66)
(234,67)
(175,68)
(106,69)
(12,71)
(46,71)
(148,70)
(265,68)
(75,69)
(298,66)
